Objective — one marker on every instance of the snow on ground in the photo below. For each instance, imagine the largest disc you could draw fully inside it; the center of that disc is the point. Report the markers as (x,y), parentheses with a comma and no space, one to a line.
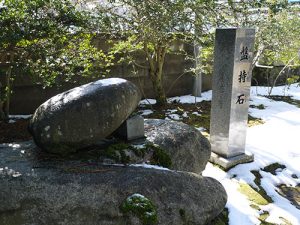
(205,96)
(20,116)
(275,141)
(145,112)
(14,118)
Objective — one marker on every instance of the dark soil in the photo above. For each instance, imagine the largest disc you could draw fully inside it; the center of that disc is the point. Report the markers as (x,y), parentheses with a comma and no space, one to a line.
(202,120)
(287,99)
(12,132)
(291,193)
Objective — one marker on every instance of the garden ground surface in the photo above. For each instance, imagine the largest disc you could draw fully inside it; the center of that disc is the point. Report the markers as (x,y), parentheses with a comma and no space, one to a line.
(266,191)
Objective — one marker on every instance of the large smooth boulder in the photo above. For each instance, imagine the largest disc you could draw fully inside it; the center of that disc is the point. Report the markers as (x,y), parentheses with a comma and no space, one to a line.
(83,115)
(38,189)
(188,149)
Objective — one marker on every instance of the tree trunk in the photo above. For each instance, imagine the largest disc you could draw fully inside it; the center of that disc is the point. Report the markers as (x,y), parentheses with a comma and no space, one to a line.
(156,62)
(5,91)
(8,93)
(157,83)
(2,114)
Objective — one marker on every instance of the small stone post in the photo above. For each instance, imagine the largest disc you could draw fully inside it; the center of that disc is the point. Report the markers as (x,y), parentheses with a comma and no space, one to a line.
(231,84)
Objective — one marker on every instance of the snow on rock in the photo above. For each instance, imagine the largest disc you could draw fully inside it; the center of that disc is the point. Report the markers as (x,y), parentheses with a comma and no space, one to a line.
(144,165)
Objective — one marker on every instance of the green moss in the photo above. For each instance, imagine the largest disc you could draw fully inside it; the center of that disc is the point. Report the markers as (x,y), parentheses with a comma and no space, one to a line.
(117,152)
(160,156)
(286,222)
(141,207)
(254,206)
(287,99)
(252,194)
(273,167)
(253,121)
(260,106)
(140,152)
(182,213)
(263,216)
(202,120)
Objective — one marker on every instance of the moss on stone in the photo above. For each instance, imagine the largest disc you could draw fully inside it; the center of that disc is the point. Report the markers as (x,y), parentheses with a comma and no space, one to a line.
(117,152)
(202,120)
(141,207)
(160,156)
(221,219)
(252,194)
(253,121)
(254,206)
(140,152)
(263,216)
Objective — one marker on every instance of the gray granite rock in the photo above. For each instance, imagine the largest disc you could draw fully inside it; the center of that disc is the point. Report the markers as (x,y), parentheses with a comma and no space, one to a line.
(84,115)
(188,149)
(39,189)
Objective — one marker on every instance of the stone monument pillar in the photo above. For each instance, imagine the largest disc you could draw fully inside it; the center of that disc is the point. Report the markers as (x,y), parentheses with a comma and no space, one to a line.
(231,84)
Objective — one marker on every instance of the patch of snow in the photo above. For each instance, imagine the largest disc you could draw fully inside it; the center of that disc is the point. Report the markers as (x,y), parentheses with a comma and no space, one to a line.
(275,141)
(148,101)
(12,121)
(196,113)
(77,92)
(47,128)
(146,112)
(14,145)
(293,91)
(201,129)
(20,116)
(174,117)
(140,146)
(109,81)
(238,205)
(205,96)
(172,110)
(185,115)
(137,195)
(144,165)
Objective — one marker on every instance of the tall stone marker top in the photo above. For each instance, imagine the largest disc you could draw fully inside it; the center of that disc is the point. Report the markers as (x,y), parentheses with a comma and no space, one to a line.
(231,90)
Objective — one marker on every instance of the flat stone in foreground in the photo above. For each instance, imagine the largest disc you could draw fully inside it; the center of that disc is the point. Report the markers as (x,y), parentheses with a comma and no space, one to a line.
(42,190)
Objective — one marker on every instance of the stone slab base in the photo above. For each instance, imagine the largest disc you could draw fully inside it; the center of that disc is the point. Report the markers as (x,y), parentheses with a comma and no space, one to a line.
(228,163)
